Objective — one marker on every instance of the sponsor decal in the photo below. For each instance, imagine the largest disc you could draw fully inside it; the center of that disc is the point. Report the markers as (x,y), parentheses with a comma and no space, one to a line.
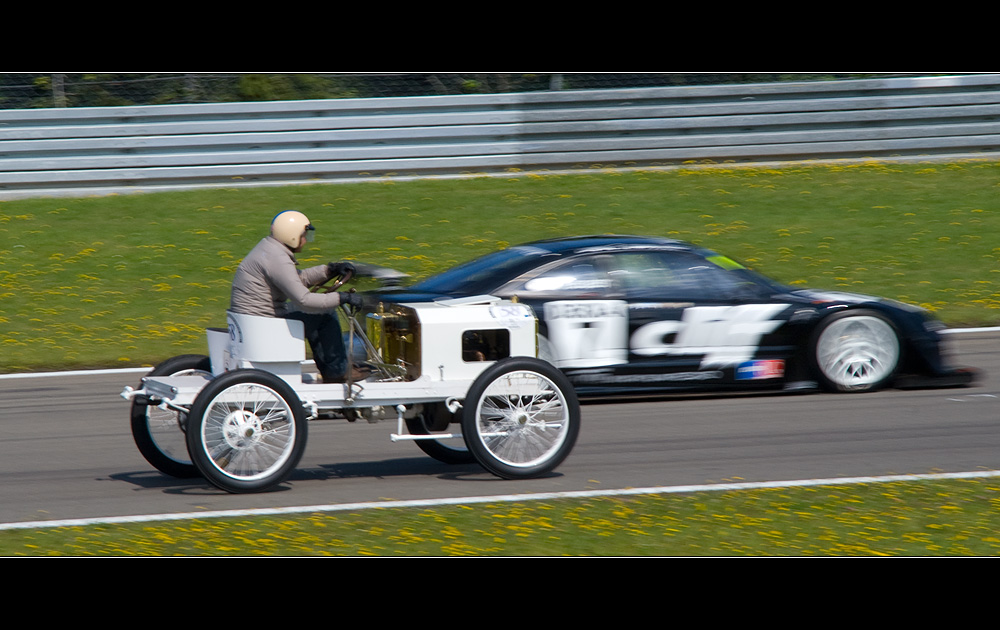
(623,379)
(644,306)
(725,335)
(761,369)
(585,309)
(594,333)
(588,333)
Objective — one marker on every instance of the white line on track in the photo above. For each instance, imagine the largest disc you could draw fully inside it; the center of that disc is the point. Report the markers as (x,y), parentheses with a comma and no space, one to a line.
(507,498)
(142,370)
(955,331)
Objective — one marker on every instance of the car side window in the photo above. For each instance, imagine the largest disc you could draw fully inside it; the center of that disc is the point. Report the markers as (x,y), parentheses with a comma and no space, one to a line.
(583,277)
(667,276)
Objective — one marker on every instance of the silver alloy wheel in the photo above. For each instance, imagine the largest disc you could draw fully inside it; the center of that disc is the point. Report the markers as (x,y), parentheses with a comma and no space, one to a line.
(248,432)
(857,352)
(522,419)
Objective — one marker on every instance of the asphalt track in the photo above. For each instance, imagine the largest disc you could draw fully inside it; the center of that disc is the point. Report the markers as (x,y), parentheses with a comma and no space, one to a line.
(66,451)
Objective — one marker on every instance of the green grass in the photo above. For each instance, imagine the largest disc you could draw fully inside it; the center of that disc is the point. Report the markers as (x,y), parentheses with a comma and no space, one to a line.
(925,518)
(129,280)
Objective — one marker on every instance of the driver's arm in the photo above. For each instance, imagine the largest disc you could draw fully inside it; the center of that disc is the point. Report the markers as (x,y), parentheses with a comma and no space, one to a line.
(315,275)
(295,286)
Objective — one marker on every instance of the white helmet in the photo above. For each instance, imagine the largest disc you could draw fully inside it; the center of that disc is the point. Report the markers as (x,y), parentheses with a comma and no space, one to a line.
(289,227)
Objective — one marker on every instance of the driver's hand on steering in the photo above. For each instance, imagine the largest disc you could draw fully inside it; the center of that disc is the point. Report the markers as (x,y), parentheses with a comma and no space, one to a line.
(354,299)
(342,268)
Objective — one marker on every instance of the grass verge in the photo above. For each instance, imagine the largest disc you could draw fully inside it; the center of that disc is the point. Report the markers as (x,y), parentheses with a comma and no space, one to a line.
(131,280)
(924,518)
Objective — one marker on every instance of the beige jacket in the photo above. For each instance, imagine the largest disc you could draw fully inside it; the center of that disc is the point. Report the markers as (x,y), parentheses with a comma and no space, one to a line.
(267,283)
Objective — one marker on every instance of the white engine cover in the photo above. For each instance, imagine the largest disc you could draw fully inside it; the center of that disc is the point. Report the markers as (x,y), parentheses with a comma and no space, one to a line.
(443,323)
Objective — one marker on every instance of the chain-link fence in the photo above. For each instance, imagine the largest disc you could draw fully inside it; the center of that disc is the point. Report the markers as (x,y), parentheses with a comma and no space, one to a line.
(27,90)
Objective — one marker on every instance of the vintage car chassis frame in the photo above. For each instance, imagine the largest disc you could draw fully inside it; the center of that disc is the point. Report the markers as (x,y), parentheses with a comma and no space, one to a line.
(239,417)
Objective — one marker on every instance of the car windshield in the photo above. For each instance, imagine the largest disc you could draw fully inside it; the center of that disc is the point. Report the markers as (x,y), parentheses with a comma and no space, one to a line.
(482,274)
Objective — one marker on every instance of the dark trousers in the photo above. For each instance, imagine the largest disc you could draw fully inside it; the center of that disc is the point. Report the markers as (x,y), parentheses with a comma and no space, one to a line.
(327,343)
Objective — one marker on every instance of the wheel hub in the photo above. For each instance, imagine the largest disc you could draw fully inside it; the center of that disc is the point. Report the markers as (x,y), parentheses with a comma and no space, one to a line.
(519,414)
(241,429)
(858,352)
(860,367)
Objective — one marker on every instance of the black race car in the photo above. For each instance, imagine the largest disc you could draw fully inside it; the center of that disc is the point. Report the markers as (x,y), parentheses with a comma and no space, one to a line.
(626,315)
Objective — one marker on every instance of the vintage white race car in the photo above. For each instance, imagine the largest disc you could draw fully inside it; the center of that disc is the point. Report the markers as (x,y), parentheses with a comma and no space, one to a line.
(239,416)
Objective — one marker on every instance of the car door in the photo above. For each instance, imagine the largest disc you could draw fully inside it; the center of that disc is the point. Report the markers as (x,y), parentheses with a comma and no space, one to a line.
(693,321)
(583,317)
(649,319)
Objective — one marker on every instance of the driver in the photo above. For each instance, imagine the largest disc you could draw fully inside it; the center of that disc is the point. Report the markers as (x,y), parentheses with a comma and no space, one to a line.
(268,284)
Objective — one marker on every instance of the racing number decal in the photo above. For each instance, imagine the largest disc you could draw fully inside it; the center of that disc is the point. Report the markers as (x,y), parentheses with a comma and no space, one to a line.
(588,333)
(512,315)
(725,335)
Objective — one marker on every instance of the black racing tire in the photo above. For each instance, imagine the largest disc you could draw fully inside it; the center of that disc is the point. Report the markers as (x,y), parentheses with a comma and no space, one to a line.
(857,350)
(160,434)
(521,418)
(448,451)
(247,431)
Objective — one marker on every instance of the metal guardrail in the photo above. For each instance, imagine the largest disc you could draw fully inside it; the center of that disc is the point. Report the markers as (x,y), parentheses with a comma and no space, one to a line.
(129,149)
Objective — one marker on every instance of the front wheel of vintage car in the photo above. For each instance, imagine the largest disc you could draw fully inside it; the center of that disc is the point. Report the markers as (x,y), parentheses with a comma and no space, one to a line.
(159,434)
(856,351)
(246,431)
(521,418)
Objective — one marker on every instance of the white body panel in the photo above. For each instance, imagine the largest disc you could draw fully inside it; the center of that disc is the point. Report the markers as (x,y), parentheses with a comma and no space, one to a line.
(271,344)
(443,323)
(277,346)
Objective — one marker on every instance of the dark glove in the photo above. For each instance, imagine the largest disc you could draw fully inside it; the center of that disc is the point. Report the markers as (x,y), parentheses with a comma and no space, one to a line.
(354,299)
(341,269)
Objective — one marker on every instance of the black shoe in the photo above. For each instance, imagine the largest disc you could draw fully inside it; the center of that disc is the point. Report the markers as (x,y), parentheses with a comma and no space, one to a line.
(358,373)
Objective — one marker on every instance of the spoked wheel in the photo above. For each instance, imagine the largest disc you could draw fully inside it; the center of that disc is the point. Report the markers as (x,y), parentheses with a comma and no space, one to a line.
(856,351)
(448,451)
(521,418)
(246,431)
(160,434)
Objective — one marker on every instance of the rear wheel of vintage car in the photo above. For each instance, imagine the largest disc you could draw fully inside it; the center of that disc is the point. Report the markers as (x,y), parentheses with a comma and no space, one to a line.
(856,351)
(160,433)
(448,451)
(521,418)
(246,431)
